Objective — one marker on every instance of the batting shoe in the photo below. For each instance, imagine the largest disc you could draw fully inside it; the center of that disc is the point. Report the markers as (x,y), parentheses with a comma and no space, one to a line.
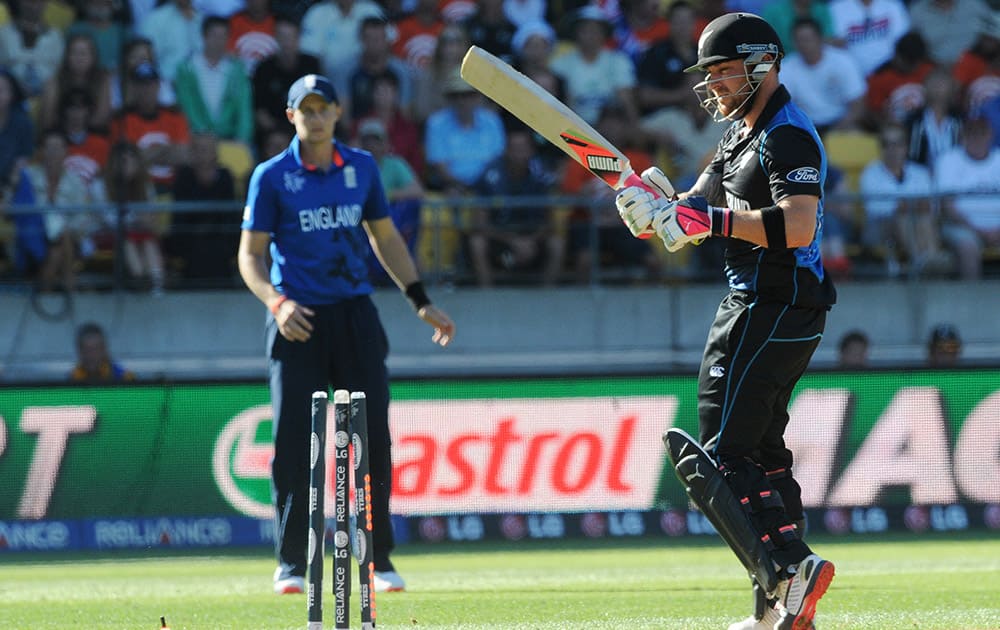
(767,622)
(771,617)
(388,582)
(806,586)
(289,584)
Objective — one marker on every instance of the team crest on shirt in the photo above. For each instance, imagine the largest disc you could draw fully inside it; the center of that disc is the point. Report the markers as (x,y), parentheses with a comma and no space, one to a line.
(803,175)
(294,182)
(350,177)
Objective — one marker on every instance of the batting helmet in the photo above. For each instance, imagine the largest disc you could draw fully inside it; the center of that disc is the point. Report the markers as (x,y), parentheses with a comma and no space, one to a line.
(736,36)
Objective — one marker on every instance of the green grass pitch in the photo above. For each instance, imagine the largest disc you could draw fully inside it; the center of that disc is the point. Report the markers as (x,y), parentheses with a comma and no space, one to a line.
(946,583)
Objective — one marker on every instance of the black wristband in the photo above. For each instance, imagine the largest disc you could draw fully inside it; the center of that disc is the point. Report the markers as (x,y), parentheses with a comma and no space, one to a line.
(774,227)
(417,296)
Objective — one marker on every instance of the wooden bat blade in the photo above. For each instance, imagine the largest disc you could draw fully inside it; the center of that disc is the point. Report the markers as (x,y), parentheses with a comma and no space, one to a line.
(557,123)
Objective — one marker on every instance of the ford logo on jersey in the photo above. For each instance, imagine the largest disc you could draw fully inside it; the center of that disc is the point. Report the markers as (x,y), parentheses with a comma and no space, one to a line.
(803,175)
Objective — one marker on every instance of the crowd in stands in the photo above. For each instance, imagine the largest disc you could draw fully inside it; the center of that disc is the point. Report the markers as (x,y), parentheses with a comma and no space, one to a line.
(139,104)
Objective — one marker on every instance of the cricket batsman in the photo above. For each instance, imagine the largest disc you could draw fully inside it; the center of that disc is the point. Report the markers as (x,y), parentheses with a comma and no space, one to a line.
(762,192)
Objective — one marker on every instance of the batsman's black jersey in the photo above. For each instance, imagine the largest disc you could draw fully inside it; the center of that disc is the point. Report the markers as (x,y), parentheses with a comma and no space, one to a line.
(781,156)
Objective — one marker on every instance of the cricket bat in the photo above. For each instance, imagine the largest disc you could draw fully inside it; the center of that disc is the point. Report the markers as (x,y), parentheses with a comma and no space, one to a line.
(556,122)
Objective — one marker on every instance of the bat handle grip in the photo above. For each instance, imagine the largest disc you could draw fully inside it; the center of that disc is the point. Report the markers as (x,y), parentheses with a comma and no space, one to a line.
(634,180)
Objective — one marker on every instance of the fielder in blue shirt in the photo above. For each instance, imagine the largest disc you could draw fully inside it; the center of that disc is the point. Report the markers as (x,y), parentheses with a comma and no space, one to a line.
(313,209)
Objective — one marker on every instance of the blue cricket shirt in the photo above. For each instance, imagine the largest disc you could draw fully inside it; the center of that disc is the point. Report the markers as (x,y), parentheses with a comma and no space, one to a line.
(319,249)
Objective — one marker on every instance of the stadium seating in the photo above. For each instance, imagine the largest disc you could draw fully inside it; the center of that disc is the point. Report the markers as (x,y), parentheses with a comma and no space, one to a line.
(851,151)
(236,157)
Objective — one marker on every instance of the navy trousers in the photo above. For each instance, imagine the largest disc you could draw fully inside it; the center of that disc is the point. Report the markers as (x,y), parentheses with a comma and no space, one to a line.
(347,350)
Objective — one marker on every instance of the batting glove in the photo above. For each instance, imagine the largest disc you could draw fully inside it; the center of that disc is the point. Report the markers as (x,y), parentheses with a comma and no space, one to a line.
(658,181)
(637,206)
(691,220)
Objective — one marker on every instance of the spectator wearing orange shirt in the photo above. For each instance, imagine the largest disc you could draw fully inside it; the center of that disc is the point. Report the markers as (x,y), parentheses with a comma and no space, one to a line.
(416,34)
(87,150)
(978,69)
(161,133)
(896,89)
(251,34)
